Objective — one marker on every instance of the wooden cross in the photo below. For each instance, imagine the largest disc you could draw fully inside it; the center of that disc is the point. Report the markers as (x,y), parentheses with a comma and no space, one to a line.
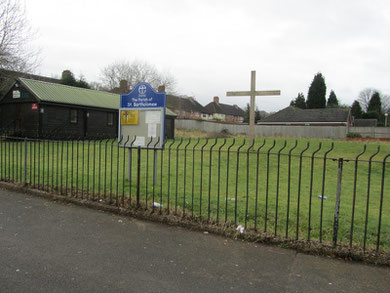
(253,93)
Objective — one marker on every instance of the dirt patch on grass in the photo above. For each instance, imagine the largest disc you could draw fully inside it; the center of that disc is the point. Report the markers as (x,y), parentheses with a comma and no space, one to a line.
(363,139)
(163,215)
(200,134)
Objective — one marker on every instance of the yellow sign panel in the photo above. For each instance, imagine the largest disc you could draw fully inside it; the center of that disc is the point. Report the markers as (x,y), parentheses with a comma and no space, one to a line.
(129,117)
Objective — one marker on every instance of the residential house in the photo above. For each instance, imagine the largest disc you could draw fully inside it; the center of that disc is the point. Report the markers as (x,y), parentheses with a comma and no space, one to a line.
(8,77)
(186,108)
(309,117)
(223,112)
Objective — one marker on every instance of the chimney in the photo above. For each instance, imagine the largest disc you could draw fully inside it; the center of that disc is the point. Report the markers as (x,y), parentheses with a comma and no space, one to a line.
(161,89)
(216,100)
(66,73)
(123,87)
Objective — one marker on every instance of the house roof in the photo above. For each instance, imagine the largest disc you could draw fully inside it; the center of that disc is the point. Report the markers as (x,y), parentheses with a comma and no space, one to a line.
(292,114)
(58,93)
(224,109)
(365,122)
(184,104)
(13,75)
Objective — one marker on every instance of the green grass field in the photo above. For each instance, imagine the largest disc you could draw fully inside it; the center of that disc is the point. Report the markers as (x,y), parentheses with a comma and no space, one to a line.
(229,187)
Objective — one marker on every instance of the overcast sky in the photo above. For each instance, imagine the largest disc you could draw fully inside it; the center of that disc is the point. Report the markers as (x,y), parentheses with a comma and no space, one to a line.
(211,46)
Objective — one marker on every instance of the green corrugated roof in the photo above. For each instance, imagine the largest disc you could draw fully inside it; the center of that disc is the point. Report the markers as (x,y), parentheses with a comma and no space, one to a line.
(169,112)
(59,93)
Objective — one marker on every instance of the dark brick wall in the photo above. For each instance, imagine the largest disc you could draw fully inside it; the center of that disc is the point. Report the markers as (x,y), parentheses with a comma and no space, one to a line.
(98,123)
(90,122)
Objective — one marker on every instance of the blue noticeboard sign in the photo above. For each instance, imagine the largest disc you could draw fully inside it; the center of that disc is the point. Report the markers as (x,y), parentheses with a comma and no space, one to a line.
(142,117)
(143,96)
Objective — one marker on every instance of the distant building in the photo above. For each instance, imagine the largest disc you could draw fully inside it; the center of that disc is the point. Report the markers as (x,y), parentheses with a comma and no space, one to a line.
(309,117)
(365,122)
(34,108)
(224,112)
(186,108)
(8,77)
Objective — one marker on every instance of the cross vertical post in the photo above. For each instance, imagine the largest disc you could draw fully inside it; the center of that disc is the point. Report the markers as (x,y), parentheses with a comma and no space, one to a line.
(253,93)
(252,106)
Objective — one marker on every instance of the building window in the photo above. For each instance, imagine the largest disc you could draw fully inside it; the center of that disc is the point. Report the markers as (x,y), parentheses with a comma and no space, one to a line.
(73,116)
(110,119)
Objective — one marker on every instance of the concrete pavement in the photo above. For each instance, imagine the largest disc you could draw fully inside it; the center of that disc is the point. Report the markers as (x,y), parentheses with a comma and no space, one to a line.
(46,246)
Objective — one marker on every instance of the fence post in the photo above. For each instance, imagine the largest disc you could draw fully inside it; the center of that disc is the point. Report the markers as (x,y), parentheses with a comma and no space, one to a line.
(138,176)
(25,162)
(155,167)
(338,195)
(129,167)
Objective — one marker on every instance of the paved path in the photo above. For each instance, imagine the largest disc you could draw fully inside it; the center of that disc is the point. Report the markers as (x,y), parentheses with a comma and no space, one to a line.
(47,246)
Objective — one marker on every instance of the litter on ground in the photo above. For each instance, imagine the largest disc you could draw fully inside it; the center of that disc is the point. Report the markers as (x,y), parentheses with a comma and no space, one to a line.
(157,205)
(240,229)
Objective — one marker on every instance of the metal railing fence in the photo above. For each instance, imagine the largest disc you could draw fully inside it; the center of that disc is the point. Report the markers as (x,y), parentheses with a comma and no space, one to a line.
(295,190)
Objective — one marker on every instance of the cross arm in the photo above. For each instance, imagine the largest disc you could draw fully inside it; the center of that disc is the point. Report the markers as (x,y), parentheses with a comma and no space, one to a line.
(257,93)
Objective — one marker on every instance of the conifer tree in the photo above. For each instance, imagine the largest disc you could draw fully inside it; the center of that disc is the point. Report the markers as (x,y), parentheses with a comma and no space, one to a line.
(316,97)
(356,110)
(299,101)
(333,102)
(375,104)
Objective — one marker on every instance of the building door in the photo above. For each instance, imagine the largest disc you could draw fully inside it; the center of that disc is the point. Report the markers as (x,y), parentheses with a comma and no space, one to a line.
(169,127)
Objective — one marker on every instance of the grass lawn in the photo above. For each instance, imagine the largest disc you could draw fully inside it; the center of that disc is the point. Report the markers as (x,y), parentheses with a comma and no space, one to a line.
(262,187)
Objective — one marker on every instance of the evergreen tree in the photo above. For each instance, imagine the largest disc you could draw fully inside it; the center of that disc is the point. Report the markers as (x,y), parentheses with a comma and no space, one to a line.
(69,79)
(356,110)
(333,102)
(257,115)
(299,101)
(371,115)
(316,97)
(81,82)
(375,104)
(247,113)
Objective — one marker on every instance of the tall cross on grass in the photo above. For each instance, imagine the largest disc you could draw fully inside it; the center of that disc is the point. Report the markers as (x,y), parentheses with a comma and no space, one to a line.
(253,93)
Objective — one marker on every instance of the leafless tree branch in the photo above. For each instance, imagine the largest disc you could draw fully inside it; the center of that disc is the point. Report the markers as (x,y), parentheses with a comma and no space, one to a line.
(15,36)
(135,72)
(365,96)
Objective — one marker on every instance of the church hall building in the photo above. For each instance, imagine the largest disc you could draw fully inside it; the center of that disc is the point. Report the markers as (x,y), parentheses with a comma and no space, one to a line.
(34,108)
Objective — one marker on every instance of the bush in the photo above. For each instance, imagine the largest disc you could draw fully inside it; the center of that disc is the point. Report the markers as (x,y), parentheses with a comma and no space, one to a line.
(370,115)
(354,135)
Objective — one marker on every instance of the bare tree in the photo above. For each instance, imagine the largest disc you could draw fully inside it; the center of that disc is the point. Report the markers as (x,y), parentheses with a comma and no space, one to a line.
(15,36)
(135,72)
(386,104)
(97,86)
(365,97)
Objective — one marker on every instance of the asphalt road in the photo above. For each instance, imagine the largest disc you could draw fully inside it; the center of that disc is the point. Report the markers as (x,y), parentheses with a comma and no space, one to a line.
(46,246)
